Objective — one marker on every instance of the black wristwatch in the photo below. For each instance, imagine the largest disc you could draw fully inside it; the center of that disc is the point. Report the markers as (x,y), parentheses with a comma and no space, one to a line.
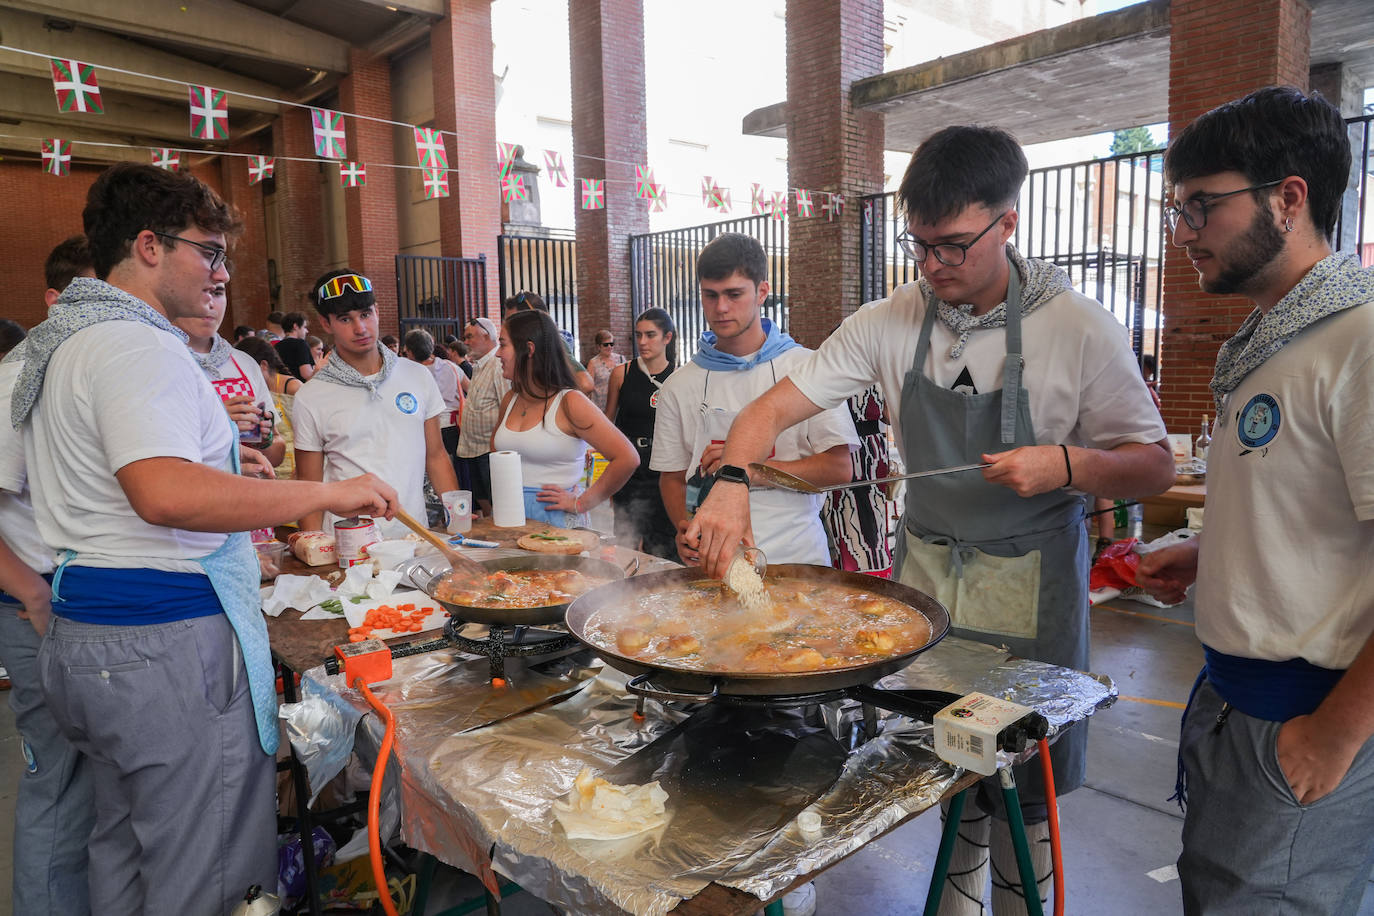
(732,474)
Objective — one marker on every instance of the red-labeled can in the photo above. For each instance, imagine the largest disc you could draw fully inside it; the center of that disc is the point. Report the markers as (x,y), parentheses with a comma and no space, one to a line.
(352,535)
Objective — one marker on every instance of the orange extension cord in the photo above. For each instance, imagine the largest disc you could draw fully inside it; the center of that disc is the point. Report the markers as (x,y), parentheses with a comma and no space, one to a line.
(374,801)
(1052,806)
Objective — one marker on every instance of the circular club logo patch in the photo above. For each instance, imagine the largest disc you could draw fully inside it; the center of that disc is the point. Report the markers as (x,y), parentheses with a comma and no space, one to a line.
(1259,422)
(406,402)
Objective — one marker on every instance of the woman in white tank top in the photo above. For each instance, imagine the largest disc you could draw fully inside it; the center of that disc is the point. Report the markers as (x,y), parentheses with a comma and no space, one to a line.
(550,423)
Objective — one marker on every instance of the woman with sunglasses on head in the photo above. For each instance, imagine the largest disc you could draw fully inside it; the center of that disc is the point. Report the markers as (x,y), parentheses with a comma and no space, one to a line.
(550,423)
(366,407)
(632,404)
(601,365)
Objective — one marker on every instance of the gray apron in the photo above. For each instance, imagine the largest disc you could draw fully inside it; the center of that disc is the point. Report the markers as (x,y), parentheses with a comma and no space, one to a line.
(1013,571)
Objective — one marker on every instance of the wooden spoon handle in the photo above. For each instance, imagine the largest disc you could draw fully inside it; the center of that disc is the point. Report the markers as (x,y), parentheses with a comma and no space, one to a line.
(456,559)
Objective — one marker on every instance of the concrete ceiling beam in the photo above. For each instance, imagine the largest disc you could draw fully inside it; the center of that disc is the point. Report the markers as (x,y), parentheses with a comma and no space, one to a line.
(215,25)
(433,9)
(26,30)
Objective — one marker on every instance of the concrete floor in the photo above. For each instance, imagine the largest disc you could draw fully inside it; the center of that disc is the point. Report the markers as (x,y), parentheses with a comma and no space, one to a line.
(1120,833)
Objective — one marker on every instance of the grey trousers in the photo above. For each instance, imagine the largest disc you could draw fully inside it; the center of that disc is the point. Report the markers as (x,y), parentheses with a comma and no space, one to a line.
(184,795)
(1249,847)
(54,808)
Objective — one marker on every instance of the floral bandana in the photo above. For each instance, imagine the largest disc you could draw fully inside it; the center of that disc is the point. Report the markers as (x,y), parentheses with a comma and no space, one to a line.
(1334,284)
(1040,282)
(218,355)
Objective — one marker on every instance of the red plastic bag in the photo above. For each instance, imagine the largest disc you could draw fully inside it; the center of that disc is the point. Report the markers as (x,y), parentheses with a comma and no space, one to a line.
(1115,567)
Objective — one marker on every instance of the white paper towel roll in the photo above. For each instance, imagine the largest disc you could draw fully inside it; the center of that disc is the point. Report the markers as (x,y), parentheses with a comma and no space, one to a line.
(507,490)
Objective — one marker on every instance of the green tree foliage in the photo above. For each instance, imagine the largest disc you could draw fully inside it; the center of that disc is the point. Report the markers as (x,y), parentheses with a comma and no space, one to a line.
(1132,140)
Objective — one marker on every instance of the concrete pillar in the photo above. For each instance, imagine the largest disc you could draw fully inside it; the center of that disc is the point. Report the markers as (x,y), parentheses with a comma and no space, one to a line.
(371,210)
(830,147)
(300,226)
(606,38)
(249,299)
(1340,86)
(1218,52)
(465,102)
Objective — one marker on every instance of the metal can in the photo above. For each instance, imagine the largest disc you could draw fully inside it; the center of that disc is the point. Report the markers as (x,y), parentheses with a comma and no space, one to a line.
(351,536)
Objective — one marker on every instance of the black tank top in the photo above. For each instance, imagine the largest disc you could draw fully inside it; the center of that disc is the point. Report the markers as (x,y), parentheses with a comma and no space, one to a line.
(635,412)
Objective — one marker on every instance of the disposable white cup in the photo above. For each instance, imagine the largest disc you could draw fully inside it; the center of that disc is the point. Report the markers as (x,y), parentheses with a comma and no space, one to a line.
(458,508)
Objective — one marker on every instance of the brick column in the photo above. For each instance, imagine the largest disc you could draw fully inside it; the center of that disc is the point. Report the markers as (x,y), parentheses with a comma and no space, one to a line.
(830,147)
(465,102)
(371,210)
(1218,52)
(249,299)
(299,224)
(606,39)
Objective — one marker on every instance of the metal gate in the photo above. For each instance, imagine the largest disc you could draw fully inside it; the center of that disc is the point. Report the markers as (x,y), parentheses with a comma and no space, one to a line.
(440,294)
(546,265)
(1099,220)
(663,273)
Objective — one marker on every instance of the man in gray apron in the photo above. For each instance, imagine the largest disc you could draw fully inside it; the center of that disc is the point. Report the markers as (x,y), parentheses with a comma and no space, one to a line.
(990,357)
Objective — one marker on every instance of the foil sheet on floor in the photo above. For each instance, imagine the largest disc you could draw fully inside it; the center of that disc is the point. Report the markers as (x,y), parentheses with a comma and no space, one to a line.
(480,797)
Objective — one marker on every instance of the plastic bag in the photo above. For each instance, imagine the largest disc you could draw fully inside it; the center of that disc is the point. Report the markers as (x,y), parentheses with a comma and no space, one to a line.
(1115,567)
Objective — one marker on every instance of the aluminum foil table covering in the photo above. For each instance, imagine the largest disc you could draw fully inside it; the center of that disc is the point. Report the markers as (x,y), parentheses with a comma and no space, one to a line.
(480,797)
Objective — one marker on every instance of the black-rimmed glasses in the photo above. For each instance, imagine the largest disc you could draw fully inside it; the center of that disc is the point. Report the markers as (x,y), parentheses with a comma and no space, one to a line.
(216,254)
(1194,209)
(950,254)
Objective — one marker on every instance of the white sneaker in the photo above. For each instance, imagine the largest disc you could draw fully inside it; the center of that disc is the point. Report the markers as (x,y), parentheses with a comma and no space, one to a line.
(800,901)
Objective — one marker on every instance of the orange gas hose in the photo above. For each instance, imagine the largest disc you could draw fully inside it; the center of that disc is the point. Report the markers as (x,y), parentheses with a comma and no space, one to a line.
(1052,806)
(374,801)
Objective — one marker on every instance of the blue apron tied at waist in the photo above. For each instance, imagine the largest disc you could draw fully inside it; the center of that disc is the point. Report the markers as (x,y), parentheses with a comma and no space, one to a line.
(6,598)
(1269,690)
(1259,688)
(131,596)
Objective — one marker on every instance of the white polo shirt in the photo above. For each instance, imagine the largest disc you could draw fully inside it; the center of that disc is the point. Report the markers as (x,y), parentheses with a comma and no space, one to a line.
(18,528)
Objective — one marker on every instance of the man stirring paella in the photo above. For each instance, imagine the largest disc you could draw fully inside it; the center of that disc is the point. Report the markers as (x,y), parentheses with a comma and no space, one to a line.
(1004,548)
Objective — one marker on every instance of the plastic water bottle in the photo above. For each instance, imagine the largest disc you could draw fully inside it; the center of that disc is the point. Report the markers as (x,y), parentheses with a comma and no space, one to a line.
(1135,520)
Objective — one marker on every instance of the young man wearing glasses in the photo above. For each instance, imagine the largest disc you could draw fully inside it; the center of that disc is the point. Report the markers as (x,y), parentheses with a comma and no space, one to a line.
(1276,745)
(989,357)
(367,410)
(156,663)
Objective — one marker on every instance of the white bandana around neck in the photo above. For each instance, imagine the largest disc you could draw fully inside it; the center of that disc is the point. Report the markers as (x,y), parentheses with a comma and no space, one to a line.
(341,373)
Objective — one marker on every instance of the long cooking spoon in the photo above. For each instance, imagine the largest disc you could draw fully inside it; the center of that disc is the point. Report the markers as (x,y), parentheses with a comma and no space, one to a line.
(459,562)
(792,482)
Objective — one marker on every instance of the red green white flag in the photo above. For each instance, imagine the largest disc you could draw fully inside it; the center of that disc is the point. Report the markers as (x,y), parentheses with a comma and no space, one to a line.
(558,174)
(505,157)
(168,159)
(593,193)
(513,189)
(209,113)
(260,167)
(57,156)
(436,183)
(804,205)
(353,175)
(330,141)
(75,86)
(429,148)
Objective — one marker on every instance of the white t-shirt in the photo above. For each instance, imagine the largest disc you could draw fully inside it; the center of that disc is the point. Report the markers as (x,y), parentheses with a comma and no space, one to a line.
(116,393)
(1287,563)
(362,434)
(696,407)
(1084,384)
(17,525)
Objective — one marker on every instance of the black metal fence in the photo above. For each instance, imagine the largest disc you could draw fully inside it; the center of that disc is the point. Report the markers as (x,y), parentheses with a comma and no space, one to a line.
(663,273)
(543,264)
(1099,220)
(439,294)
